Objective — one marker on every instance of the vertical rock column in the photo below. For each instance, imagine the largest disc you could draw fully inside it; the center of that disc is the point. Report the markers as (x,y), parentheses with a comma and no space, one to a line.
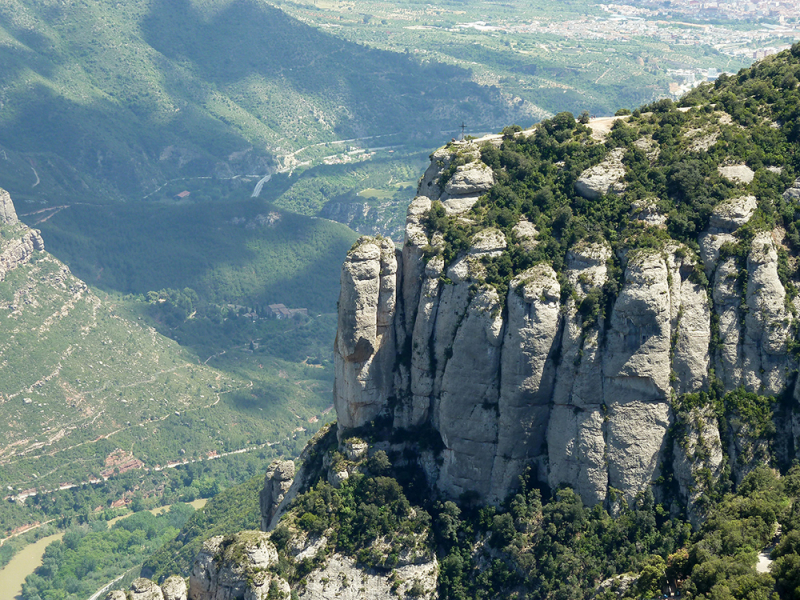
(528,371)
(365,349)
(467,408)
(576,436)
(636,368)
(767,322)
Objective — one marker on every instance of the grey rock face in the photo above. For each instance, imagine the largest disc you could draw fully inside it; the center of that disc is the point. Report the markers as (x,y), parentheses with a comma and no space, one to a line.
(144,589)
(636,370)
(8,216)
(341,578)
(470,179)
(234,568)
(603,178)
(767,324)
(576,432)
(116,595)
(737,173)
(16,249)
(174,588)
(551,377)
(364,351)
(793,193)
(526,232)
(277,482)
(731,214)
(646,210)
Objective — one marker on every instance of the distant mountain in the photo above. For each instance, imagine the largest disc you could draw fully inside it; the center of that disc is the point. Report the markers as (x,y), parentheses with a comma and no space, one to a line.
(106,101)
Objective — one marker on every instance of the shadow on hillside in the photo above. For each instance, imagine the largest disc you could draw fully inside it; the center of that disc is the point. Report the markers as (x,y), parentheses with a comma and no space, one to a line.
(219,82)
(382,90)
(224,252)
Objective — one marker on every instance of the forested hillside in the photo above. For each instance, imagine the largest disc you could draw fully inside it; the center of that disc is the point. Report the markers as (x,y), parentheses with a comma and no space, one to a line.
(106,102)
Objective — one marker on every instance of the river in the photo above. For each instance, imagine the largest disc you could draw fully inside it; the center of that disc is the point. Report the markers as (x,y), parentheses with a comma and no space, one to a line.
(25,562)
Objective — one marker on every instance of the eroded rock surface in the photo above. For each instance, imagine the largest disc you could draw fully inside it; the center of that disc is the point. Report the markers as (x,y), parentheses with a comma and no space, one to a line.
(235,567)
(737,173)
(144,589)
(8,216)
(341,578)
(277,482)
(603,178)
(18,248)
(174,588)
(550,376)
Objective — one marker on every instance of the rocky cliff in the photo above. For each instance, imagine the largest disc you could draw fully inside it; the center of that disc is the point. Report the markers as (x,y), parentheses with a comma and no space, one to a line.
(18,242)
(574,361)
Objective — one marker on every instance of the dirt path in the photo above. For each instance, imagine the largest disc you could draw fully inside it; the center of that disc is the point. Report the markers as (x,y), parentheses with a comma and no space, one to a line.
(764,560)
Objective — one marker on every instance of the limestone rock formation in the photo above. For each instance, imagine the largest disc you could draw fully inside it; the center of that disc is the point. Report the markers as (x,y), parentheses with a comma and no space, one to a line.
(603,178)
(342,579)
(8,216)
(646,210)
(236,567)
(541,377)
(793,193)
(277,482)
(457,177)
(737,173)
(174,588)
(19,248)
(364,350)
(144,589)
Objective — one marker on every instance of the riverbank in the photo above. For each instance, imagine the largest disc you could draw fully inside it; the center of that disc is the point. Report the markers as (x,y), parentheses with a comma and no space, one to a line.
(26,561)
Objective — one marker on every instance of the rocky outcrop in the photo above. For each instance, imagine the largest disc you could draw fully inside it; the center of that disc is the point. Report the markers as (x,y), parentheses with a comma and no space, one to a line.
(549,377)
(646,210)
(8,216)
(737,173)
(603,178)
(144,589)
(364,350)
(793,193)
(283,482)
(19,250)
(456,177)
(19,244)
(341,578)
(277,482)
(174,588)
(236,567)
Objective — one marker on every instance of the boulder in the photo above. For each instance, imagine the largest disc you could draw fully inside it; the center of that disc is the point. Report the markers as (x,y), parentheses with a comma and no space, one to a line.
(737,173)
(174,588)
(603,178)
(144,589)
(792,194)
(646,210)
